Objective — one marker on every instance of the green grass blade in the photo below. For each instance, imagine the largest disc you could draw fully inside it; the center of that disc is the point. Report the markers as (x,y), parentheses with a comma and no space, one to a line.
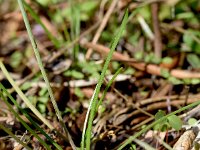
(14,137)
(23,97)
(20,119)
(93,101)
(38,20)
(83,138)
(75,26)
(29,118)
(27,102)
(37,55)
(131,138)
(36,51)
(108,86)
(58,147)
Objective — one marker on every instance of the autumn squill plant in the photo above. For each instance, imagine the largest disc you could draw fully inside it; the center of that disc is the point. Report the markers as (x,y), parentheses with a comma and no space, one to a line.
(21,94)
(87,129)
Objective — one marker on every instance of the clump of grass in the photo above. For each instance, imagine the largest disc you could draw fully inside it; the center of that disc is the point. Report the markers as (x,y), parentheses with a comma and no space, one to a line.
(37,55)
(93,103)
(23,97)
(18,117)
(5,92)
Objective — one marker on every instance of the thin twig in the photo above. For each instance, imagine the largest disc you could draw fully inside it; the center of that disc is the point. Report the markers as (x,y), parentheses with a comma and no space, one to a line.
(149,68)
(101,27)
(157,32)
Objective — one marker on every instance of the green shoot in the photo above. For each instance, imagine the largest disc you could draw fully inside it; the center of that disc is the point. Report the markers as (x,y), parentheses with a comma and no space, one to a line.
(36,51)
(75,26)
(24,98)
(93,102)
(20,119)
(107,87)
(27,116)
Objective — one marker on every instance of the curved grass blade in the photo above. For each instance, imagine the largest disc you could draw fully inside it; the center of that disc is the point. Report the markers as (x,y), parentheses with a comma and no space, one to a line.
(24,98)
(21,120)
(93,102)
(29,118)
(107,87)
(37,55)
(14,137)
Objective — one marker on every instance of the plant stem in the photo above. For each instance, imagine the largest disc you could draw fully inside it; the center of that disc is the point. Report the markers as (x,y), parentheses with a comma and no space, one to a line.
(24,98)
(93,102)
(37,55)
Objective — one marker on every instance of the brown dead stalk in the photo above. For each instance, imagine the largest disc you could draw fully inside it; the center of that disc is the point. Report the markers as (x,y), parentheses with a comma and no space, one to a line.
(102,26)
(149,68)
(156,28)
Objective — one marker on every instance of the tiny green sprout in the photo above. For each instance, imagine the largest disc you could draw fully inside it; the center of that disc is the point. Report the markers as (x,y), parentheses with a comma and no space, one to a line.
(171,121)
(163,126)
(175,122)
(192,121)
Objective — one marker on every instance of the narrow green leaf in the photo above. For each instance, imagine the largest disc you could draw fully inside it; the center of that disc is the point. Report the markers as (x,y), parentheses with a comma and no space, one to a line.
(29,118)
(39,60)
(92,108)
(107,87)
